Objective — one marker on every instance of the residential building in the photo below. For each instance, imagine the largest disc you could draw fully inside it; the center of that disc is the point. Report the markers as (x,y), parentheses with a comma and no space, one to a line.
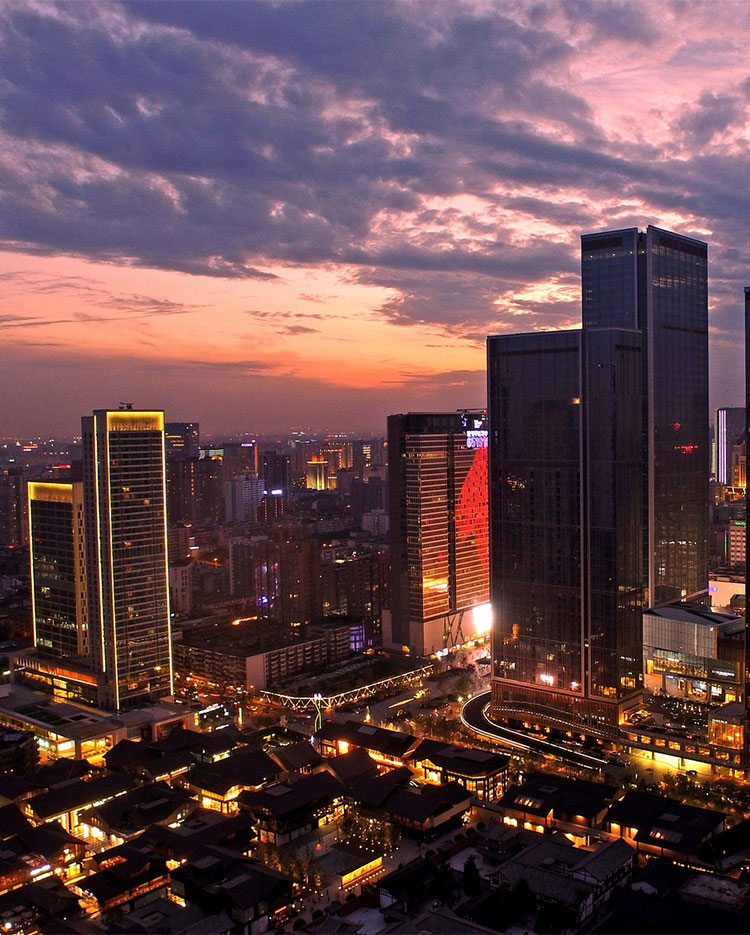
(58,569)
(258,655)
(13,519)
(280,573)
(242,497)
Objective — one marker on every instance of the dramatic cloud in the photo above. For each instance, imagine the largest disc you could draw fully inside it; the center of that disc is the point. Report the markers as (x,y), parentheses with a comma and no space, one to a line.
(368,177)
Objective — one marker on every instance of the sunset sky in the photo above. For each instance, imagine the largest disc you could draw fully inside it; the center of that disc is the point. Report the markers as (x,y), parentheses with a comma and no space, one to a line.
(273,215)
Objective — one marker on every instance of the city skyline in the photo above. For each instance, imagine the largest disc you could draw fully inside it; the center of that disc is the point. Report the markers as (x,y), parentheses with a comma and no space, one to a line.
(253,216)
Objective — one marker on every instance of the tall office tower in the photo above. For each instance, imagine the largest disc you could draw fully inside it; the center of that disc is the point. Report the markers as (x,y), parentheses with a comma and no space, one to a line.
(182,440)
(366,495)
(437,495)
(566,571)
(656,282)
(58,570)
(276,471)
(126,551)
(599,464)
(730,431)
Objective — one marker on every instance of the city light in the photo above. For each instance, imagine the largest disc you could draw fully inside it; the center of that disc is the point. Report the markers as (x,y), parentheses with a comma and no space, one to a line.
(482,618)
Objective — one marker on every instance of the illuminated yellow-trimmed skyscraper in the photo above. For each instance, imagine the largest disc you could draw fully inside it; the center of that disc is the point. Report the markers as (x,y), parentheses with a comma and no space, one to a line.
(126,553)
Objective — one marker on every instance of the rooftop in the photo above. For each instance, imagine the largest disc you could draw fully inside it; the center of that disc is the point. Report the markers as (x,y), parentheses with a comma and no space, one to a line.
(692,613)
(284,799)
(388,742)
(248,768)
(77,795)
(467,761)
(664,823)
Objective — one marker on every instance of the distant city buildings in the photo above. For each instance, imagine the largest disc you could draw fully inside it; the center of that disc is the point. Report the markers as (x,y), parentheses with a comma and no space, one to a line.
(728,432)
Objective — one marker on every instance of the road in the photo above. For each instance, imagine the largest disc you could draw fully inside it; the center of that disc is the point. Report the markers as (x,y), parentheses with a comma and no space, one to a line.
(474,717)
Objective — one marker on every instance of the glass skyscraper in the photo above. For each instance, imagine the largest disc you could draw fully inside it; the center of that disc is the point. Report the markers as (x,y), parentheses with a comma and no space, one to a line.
(656,282)
(565,525)
(126,549)
(599,464)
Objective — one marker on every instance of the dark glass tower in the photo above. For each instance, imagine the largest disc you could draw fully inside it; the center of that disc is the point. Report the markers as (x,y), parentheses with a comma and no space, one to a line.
(656,282)
(566,577)
(599,466)
(437,496)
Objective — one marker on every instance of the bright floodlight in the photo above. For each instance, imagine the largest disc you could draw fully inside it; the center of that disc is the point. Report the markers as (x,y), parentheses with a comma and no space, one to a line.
(482,615)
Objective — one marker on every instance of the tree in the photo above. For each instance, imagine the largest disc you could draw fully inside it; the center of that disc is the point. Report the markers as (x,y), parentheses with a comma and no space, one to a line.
(472,879)
(445,884)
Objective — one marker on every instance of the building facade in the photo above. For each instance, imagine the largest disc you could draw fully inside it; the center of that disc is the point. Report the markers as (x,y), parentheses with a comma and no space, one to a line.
(693,653)
(126,550)
(182,440)
(439,547)
(656,282)
(566,572)
(58,570)
(599,461)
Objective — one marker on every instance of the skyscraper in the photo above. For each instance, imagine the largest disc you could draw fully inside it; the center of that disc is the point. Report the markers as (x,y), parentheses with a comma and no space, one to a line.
(730,429)
(565,525)
(598,480)
(437,494)
(276,471)
(58,570)
(182,440)
(656,282)
(126,550)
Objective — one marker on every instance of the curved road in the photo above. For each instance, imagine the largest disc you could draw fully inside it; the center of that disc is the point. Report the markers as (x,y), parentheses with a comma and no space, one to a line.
(474,716)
